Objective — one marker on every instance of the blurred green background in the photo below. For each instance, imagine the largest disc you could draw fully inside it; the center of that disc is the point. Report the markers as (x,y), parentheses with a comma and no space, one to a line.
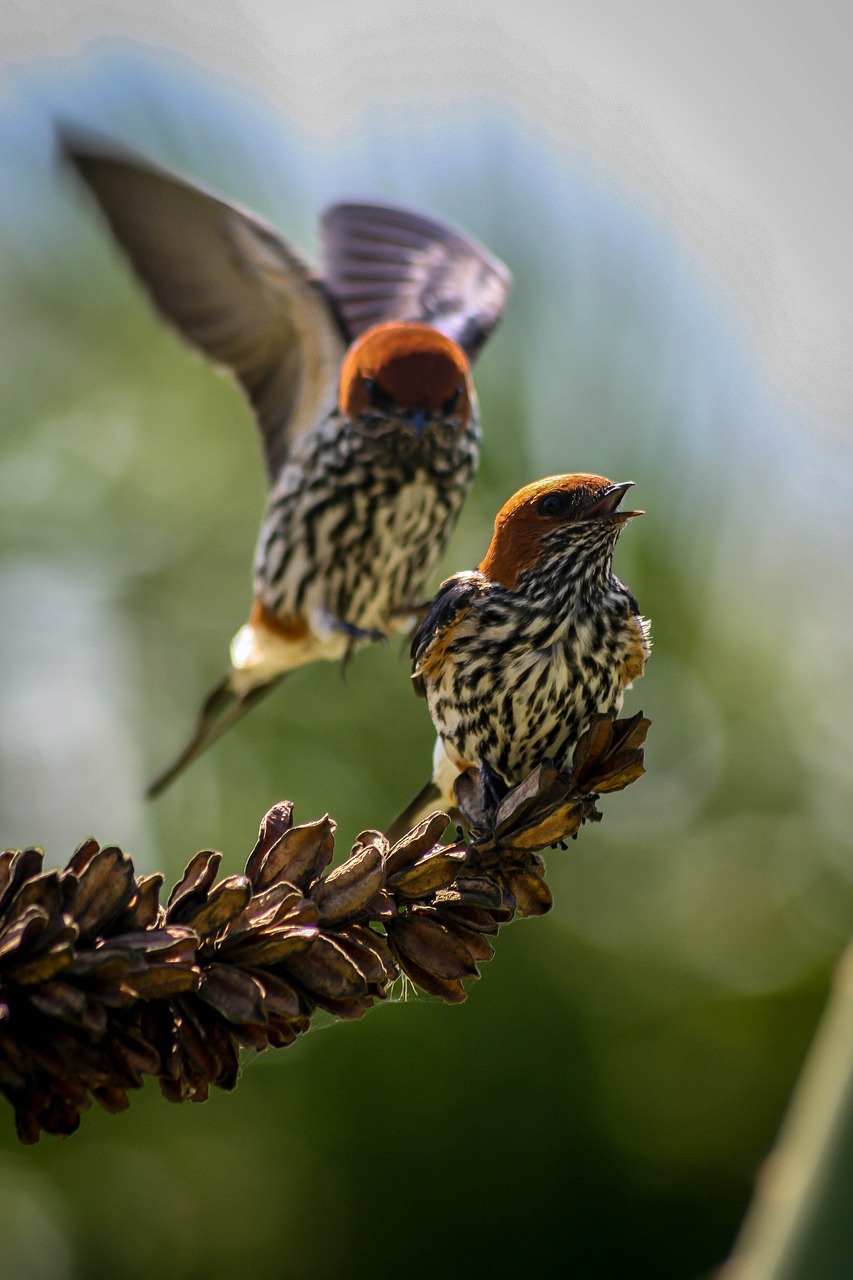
(602,1101)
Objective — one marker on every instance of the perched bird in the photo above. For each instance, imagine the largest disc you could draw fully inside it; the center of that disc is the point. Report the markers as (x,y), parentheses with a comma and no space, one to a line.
(361,385)
(514,657)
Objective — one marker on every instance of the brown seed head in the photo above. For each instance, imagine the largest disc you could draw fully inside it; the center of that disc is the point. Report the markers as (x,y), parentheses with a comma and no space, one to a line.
(406,368)
(530,515)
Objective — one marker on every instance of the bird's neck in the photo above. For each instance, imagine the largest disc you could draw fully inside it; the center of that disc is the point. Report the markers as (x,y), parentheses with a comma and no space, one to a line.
(572,585)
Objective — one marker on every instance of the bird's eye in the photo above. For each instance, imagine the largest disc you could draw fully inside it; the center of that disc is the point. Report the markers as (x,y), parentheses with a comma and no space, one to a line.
(556,505)
(451,404)
(377,396)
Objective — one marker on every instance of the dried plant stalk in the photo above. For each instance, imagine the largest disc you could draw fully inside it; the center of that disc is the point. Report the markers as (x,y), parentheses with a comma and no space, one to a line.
(101,985)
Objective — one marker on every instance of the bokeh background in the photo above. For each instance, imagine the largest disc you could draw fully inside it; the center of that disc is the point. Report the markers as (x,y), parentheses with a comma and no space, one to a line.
(667,186)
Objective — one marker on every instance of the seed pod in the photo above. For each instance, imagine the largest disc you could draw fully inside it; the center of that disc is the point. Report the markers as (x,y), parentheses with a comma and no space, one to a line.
(477,944)
(430,873)
(43,892)
(46,964)
(18,867)
(266,907)
(432,946)
(193,887)
(104,889)
(629,734)
(372,967)
(272,946)
(162,981)
(233,993)
(476,918)
(275,822)
(622,769)
(415,843)
(111,1098)
(300,855)
(545,829)
(470,800)
(371,839)
(225,901)
(347,891)
(450,990)
(472,891)
(144,908)
(592,745)
(281,1000)
(377,944)
(524,799)
(173,943)
(531,893)
(326,970)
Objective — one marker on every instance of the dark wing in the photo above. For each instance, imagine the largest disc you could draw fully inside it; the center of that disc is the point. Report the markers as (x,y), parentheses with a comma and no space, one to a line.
(227,281)
(431,640)
(384,263)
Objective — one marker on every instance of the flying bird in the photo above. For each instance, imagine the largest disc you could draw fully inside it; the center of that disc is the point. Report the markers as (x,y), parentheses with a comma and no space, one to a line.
(360,381)
(515,656)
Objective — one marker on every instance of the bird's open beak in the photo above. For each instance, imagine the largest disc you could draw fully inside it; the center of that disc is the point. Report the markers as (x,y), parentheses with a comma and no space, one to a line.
(606,508)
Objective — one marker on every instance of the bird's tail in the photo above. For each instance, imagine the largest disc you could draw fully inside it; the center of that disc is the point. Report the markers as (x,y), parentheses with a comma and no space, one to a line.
(437,795)
(223,707)
(429,799)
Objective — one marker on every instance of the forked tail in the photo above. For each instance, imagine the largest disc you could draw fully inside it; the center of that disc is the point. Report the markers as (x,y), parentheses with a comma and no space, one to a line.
(222,708)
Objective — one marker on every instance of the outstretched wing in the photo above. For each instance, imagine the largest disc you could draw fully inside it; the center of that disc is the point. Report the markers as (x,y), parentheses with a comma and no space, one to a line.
(431,641)
(385,263)
(227,281)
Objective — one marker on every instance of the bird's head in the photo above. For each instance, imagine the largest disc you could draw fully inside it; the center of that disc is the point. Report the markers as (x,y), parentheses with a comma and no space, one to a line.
(575,515)
(409,372)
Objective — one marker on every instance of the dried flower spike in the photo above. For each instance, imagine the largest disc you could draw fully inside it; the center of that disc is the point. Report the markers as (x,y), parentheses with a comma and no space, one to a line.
(101,986)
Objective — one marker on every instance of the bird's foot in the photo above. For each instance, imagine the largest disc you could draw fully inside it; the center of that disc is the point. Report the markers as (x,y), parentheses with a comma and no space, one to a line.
(494,787)
(358,635)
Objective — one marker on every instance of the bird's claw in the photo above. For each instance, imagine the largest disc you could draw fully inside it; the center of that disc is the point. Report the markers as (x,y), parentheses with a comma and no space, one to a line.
(358,635)
(494,787)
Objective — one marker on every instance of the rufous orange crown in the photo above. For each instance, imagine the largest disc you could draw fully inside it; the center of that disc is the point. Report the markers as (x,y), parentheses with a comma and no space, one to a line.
(522,523)
(406,366)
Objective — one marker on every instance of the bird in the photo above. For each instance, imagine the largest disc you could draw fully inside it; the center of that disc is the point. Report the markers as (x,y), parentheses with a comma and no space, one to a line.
(515,656)
(360,381)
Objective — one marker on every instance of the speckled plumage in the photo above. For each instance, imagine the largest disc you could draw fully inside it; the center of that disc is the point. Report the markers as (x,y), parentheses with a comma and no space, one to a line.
(514,657)
(361,386)
(358,518)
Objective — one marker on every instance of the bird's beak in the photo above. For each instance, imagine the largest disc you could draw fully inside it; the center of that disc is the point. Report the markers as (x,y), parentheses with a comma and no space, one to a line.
(418,420)
(606,508)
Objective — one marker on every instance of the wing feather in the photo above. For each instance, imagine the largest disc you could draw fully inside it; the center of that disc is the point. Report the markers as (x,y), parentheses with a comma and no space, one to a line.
(384,263)
(227,281)
(451,603)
